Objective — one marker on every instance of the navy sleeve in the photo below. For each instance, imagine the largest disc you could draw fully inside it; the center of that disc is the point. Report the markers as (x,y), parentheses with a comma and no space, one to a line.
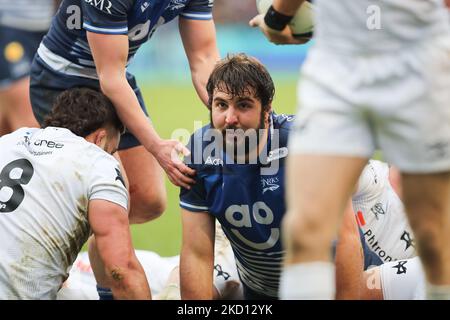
(195,198)
(198,10)
(106,17)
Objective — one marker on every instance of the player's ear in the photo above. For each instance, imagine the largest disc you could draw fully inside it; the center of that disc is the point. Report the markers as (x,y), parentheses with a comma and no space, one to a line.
(100,137)
(267,111)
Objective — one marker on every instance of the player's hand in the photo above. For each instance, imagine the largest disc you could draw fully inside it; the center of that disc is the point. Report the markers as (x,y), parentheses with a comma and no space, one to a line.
(278,37)
(168,153)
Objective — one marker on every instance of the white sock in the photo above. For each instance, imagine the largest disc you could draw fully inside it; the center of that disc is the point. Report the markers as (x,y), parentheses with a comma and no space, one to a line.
(438,292)
(308,281)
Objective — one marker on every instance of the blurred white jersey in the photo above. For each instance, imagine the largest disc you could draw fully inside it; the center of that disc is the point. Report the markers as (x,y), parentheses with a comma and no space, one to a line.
(47,178)
(381,214)
(377,25)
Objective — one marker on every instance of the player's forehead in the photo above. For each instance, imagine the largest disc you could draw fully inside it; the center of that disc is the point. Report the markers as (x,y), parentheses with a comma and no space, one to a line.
(224,93)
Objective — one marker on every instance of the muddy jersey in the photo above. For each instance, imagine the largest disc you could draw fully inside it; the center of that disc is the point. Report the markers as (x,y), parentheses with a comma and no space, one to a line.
(381,214)
(47,178)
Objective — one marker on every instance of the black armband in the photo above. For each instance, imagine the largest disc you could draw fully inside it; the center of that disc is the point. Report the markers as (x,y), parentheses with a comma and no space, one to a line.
(275,20)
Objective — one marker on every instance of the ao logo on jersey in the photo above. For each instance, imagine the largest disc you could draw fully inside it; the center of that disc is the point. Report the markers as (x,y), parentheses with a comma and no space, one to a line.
(240,217)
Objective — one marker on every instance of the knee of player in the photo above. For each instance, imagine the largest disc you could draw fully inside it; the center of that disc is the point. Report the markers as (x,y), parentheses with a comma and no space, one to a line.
(302,231)
(308,219)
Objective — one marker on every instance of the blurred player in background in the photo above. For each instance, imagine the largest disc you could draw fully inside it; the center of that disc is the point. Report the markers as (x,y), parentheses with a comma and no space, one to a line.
(378,76)
(57,185)
(23,23)
(162,275)
(90,44)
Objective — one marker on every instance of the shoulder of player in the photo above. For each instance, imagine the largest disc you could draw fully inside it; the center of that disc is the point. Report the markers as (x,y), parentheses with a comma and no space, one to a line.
(201,146)
(110,7)
(89,153)
(282,123)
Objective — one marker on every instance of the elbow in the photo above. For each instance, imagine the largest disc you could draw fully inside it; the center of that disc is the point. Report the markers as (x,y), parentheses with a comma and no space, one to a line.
(110,84)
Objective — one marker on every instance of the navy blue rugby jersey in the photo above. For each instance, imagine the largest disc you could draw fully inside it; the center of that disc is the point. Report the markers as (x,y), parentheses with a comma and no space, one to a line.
(65,48)
(247,200)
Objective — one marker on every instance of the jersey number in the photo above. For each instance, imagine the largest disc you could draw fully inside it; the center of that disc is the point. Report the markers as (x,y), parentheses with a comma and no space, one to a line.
(22,171)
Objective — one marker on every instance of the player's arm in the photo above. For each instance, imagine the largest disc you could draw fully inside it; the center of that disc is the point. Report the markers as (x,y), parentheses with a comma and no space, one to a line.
(197,255)
(349,258)
(199,41)
(283,10)
(110,54)
(122,271)
(56,4)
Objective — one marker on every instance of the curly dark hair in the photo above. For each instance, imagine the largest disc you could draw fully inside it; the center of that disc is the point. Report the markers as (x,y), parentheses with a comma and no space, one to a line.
(82,111)
(239,73)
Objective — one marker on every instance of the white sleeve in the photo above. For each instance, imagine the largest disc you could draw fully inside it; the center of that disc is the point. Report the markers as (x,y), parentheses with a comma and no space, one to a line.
(106,181)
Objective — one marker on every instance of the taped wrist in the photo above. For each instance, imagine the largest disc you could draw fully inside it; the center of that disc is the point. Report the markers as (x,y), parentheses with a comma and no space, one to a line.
(276,20)
(105,293)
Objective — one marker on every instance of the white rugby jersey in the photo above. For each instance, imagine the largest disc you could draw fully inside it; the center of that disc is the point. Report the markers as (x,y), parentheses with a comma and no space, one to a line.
(381,214)
(403,280)
(377,25)
(47,177)
(30,15)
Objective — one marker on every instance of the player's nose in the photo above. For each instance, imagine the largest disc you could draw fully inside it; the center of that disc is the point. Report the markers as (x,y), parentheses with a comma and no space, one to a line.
(231,117)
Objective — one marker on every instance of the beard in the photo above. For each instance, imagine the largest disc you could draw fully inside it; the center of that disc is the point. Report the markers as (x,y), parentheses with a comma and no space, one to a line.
(240,141)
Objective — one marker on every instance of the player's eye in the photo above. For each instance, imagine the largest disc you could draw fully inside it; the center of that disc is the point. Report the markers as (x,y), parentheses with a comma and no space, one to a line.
(245,105)
(221,105)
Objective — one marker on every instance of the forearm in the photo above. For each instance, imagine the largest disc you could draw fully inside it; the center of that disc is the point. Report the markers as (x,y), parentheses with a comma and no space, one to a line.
(349,258)
(349,268)
(200,72)
(195,277)
(287,7)
(97,264)
(130,282)
(127,105)
(56,4)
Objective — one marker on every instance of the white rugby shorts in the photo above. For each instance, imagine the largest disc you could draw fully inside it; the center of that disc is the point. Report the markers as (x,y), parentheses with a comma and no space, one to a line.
(399,102)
